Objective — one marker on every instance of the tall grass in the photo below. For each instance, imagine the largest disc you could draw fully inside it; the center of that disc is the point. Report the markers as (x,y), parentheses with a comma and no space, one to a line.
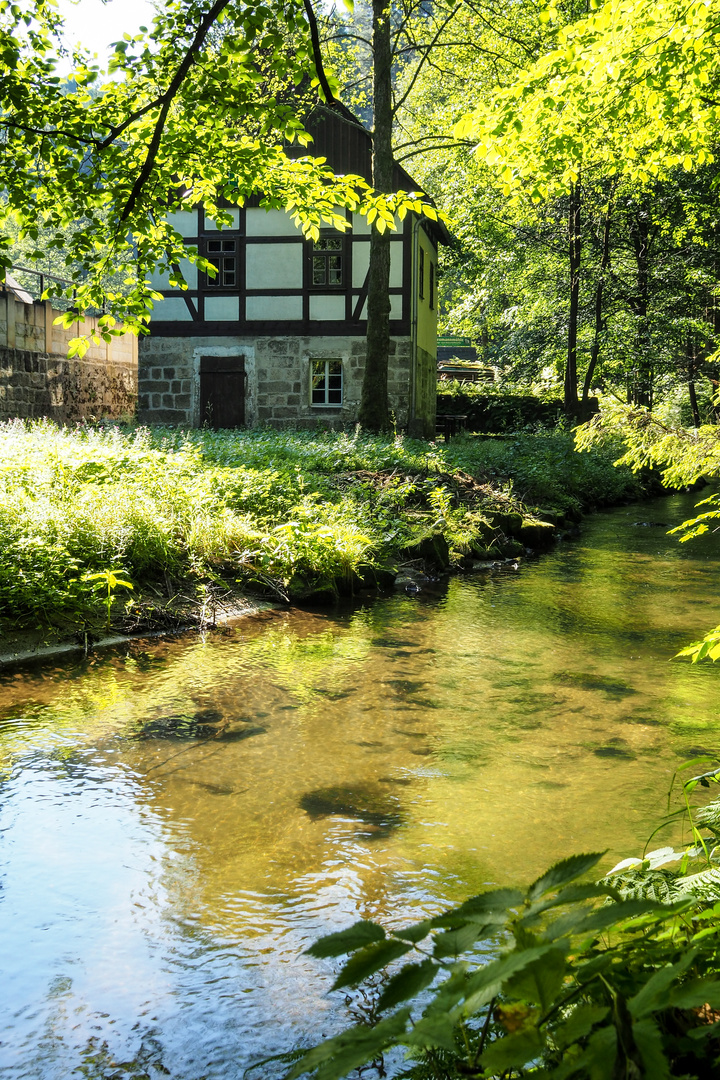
(275,508)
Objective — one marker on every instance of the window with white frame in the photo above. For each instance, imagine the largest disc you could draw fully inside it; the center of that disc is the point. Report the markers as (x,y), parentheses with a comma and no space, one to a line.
(326,382)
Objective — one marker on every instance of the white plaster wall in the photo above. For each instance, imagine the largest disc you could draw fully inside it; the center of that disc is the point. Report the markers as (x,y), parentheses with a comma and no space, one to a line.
(395,308)
(171,309)
(361,261)
(273,307)
(327,307)
(396,265)
(222,308)
(185,221)
(159,278)
(211,225)
(360,225)
(259,222)
(274,266)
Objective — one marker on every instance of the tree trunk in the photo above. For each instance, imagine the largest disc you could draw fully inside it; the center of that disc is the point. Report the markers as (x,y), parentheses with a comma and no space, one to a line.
(642,383)
(692,366)
(599,321)
(574,250)
(374,408)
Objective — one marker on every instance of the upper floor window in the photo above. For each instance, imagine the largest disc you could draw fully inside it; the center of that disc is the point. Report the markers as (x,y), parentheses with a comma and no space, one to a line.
(222,254)
(327,260)
(431,286)
(421,274)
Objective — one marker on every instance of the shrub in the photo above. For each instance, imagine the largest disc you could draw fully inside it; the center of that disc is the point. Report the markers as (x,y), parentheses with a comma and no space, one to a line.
(617,978)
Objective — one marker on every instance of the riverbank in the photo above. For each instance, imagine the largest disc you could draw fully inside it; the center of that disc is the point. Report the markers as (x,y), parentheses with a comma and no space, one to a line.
(108,530)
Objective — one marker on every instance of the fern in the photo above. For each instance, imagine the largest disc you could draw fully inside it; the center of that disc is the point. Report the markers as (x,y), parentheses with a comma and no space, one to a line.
(705,885)
(657,885)
(709,815)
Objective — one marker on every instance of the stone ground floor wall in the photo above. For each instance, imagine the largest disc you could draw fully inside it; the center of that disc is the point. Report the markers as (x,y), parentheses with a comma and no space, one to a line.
(277,382)
(33,385)
(37,379)
(422,426)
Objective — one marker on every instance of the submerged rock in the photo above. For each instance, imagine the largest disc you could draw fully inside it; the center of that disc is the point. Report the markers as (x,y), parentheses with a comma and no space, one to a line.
(180,726)
(369,805)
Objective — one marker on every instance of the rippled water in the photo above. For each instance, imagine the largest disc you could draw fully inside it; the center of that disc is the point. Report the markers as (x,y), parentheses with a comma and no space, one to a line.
(158,885)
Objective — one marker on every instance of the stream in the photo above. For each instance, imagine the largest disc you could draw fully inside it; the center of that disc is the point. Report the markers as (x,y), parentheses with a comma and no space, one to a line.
(180,819)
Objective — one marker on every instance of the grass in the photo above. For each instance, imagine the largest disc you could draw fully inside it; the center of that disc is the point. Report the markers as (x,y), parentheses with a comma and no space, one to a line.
(280,512)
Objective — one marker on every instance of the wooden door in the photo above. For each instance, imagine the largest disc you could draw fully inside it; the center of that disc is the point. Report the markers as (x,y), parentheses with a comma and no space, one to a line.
(222,391)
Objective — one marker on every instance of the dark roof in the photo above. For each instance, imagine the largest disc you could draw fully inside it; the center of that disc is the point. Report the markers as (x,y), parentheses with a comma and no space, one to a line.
(341,137)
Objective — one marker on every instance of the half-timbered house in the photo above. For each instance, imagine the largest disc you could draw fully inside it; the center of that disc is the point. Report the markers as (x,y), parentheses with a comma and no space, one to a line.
(278,336)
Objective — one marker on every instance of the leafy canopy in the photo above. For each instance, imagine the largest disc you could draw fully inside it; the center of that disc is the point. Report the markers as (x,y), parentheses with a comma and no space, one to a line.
(202,110)
(633,89)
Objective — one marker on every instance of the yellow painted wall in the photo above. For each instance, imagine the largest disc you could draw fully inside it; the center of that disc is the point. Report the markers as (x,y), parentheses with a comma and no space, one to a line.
(427,316)
(425,375)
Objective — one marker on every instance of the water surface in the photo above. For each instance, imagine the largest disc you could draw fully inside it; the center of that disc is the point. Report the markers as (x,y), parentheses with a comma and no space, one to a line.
(178,821)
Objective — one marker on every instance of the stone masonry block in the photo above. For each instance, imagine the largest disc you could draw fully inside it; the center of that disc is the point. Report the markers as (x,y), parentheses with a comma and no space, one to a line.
(276,387)
(283,346)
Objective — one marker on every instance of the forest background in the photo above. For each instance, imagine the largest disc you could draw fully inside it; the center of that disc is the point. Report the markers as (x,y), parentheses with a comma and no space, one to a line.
(585,220)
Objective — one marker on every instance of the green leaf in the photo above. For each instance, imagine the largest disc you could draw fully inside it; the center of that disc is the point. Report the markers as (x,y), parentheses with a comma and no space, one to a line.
(562,873)
(336,1057)
(408,982)
(479,907)
(579,1024)
(369,960)
(513,1050)
(648,1040)
(584,922)
(456,942)
(540,981)
(597,1061)
(357,935)
(488,981)
(435,1029)
(694,994)
(572,895)
(655,993)
(414,933)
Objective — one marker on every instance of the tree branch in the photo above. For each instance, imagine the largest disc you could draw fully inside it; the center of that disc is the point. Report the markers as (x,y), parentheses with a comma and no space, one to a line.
(317,55)
(167,99)
(418,69)
(426,149)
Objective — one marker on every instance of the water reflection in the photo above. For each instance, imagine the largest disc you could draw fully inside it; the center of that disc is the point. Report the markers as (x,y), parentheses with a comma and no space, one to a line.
(180,821)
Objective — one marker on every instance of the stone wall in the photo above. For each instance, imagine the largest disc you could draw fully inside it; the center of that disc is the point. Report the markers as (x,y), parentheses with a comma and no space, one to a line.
(422,426)
(37,378)
(278,378)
